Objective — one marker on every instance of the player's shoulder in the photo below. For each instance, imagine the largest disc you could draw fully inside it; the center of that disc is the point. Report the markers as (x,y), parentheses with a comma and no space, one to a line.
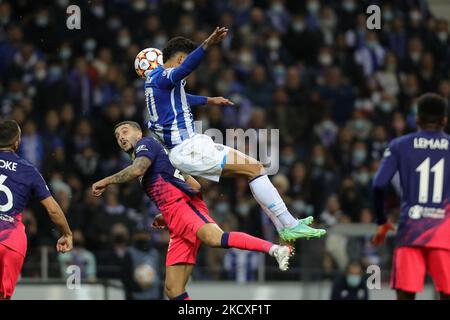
(146,143)
(397,142)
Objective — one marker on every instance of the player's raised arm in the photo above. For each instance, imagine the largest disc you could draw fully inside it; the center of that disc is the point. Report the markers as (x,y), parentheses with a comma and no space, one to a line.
(177,68)
(57,216)
(136,170)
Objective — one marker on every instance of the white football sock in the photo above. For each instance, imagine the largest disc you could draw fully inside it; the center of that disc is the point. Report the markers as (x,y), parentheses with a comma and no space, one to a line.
(273,249)
(278,225)
(269,198)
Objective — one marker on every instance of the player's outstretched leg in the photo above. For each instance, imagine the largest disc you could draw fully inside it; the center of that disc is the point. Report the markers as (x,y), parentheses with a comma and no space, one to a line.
(267,196)
(211,235)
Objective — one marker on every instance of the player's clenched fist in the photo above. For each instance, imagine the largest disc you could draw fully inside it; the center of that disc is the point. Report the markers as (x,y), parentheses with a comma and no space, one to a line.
(99,187)
(159,222)
(64,244)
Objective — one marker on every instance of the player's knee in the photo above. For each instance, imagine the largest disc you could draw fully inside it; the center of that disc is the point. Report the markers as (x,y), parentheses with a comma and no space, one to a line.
(210,237)
(255,170)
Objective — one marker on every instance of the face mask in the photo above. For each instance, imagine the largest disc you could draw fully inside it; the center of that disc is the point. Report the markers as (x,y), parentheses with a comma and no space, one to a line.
(187,29)
(353,280)
(188,5)
(288,160)
(139,6)
(391,67)
(442,36)
(90,45)
(55,71)
(277,7)
(325,59)
(371,44)
(273,43)
(160,41)
(63,3)
(42,21)
(363,178)
(349,6)
(415,16)
(40,74)
(298,26)
(243,209)
(246,59)
(299,206)
(313,7)
(114,24)
(98,11)
(359,125)
(359,156)
(386,106)
(328,125)
(65,53)
(415,56)
(124,42)
(388,16)
(329,23)
(279,71)
(222,207)
(319,161)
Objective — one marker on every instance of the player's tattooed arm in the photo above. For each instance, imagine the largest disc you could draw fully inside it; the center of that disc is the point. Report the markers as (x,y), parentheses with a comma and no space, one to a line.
(137,169)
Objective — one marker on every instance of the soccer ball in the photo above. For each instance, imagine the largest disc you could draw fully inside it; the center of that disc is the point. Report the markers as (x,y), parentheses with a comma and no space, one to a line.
(147,60)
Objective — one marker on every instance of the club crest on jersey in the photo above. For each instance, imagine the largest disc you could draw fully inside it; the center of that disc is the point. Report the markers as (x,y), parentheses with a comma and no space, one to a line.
(387,153)
(142,147)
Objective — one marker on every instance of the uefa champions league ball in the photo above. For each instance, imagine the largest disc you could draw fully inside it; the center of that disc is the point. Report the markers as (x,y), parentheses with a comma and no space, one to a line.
(147,60)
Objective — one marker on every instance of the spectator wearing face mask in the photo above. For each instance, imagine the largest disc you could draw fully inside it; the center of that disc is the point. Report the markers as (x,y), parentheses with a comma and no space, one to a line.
(80,257)
(351,285)
(110,260)
(141,268)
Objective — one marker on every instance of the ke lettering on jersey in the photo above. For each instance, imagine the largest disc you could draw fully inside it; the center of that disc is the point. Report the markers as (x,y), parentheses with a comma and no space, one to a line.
(8,165)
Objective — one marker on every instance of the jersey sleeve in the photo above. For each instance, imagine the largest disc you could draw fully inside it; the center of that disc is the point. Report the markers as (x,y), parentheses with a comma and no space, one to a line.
(147,147)
(169,77)
(388,168)
(39,186)
(194,100)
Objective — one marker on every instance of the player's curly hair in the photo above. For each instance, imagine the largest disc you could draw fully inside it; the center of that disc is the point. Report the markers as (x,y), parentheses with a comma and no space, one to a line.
(9,132)
(177,44)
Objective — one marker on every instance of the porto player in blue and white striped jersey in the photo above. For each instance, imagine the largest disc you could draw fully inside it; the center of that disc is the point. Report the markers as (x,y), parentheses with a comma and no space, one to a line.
(171,119)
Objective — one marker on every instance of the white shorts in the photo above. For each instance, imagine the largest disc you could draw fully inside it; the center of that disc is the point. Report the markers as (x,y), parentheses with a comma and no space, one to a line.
(199,156)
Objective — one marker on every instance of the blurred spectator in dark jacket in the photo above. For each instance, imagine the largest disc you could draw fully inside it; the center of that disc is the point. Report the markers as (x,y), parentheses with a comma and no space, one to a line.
(351,285)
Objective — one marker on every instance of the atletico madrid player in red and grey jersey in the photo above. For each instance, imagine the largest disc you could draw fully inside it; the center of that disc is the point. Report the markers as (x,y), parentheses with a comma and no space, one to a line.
(183,210)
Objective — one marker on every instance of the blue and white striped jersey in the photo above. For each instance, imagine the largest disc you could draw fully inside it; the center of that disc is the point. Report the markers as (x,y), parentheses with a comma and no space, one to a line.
(169,106)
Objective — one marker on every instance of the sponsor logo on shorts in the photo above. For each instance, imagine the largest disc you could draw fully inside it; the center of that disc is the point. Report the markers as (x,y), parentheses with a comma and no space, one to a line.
(6,218)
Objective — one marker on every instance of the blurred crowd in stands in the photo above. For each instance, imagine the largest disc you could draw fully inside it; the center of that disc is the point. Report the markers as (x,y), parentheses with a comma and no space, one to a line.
(337,92)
